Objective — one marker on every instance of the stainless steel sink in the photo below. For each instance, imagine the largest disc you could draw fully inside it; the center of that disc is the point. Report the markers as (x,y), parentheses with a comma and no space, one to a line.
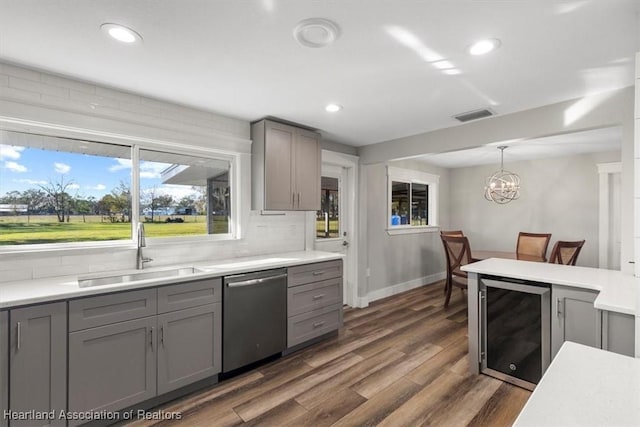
(136,276)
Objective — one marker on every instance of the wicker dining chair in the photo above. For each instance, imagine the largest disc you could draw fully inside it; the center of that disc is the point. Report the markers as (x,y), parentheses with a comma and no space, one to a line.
(533,245)
(566,253)
(458,253)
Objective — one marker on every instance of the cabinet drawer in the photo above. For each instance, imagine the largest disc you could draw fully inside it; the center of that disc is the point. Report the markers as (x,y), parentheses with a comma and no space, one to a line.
(304,327)
(308,273)
(189,294)
(304,298)
(106,309)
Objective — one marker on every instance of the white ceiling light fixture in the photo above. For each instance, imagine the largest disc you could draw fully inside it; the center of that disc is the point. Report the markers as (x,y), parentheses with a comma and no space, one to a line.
(316,32)
(333,108)
(121,33)
(503,186)
(452,71)
(482,47)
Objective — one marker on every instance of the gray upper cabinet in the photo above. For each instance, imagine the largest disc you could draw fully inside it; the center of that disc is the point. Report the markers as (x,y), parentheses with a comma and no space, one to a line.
(189,346)
(38,361)
(574,318)
(285,167)
(4,366)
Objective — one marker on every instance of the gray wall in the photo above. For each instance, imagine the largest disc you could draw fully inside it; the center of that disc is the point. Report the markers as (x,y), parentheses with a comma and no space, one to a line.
(559,196)
(398,259)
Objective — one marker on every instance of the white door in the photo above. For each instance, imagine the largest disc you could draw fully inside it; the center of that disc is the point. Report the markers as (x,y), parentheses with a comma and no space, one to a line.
(334,225)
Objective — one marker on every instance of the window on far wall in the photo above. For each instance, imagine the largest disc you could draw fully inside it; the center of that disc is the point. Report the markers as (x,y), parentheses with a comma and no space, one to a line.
(412,198)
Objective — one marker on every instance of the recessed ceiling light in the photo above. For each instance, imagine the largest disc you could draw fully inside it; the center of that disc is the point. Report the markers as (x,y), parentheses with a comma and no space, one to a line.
(316,32)
(121,33)
(333,108)
(484,46)
(452,71)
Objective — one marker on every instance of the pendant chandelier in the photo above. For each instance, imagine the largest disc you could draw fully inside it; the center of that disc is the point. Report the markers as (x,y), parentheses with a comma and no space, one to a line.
(503,186)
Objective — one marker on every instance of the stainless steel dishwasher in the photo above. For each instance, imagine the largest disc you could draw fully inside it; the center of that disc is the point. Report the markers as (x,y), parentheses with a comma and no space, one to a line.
(254,319)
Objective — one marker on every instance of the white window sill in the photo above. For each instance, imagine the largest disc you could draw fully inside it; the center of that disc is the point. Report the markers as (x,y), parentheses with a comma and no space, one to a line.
(408,229)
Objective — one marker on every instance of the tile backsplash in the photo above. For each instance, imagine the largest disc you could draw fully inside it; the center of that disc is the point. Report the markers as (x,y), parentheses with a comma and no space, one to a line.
(264,234)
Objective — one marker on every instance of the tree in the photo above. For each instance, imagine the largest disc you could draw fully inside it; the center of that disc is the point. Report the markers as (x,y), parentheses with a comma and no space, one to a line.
(83,207)
(57,197)
(122,196)
(34,199)
(153,199)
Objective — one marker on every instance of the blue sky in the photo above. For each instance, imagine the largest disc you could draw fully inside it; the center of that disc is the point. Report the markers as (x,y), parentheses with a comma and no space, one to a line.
(22,168)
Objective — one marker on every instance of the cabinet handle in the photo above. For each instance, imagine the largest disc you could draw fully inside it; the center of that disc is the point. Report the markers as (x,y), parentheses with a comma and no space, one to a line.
(293,199)
(151,338)
(18,335)
(315,297)
(298,200)
(318,273)
(318,324)
(162,334)
(559,308)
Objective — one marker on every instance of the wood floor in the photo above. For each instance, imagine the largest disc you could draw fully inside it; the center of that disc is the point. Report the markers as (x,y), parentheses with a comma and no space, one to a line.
(402,361)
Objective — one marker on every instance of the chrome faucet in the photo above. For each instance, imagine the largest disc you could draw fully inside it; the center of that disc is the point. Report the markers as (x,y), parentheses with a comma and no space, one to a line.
(142,242)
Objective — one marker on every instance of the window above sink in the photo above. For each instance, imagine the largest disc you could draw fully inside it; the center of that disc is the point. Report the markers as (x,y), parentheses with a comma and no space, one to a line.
(62,193)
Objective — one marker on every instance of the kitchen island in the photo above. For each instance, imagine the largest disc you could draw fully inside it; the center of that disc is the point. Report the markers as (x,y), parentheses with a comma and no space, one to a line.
(611,302)
(585,387)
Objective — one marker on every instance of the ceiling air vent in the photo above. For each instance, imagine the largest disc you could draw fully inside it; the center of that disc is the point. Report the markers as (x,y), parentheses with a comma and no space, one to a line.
(474,115)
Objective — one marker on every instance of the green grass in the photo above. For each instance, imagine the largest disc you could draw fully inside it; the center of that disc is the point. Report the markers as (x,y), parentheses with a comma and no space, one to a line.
(16,230)
(334,228)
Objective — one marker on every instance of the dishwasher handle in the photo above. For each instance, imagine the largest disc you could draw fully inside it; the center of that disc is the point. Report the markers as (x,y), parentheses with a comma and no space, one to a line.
(251,282)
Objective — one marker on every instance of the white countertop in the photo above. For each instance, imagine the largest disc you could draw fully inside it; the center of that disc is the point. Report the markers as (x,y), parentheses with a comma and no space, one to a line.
(64,287)
(583,387)
(617,290)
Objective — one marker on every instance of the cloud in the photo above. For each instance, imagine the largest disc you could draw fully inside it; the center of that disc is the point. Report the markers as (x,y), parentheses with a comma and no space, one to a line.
(73,187)
(15,167)
(99,187)
(10,152)
(152,169)
(176,191)
(120,165)
(61,168)
(31,181)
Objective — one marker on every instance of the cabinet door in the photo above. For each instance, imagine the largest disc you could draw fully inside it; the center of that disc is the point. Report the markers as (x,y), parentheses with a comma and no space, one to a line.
(618,333)
(574,318)
(113,366)
(4,366)
(306,167)
(277,166)
(38,361)
(190,346)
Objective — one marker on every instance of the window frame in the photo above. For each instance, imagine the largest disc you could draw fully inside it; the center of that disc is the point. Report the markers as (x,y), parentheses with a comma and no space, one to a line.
(410,177)
(135,145)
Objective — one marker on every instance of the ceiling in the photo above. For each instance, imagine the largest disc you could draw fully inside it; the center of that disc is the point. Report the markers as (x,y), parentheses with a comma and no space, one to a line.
(593,141)
(239,58)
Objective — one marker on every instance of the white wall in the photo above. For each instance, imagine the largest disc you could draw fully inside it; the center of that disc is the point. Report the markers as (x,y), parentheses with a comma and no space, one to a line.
(397,262)
(614,108)
(38,101)
(559,196)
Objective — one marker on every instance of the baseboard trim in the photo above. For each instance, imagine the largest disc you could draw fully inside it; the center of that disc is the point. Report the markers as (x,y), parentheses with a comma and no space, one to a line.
(403,287)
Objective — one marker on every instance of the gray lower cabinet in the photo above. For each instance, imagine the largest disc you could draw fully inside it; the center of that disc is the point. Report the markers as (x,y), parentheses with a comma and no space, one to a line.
(314,301)
(128,347)
(4,366)
(189,346)
(38,361)
(618,332)
(113,366)
(574,318)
